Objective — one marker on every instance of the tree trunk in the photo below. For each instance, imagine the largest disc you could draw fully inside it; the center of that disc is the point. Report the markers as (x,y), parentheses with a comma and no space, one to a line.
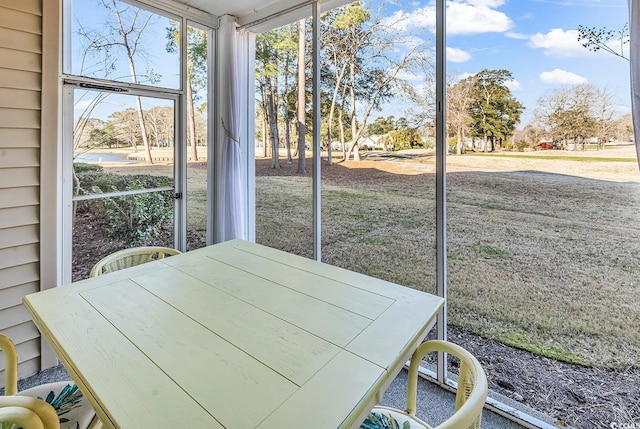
(143,130)
(273,127)
(334,99)
(264,137)
(344,150)
(287,120)
(302,101)
(134,79)
(191,120)
(354,125)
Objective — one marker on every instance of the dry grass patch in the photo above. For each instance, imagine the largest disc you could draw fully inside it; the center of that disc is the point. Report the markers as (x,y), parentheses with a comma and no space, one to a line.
(545,262)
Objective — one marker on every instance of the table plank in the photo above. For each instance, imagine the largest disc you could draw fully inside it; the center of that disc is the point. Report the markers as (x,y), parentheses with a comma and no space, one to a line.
(219,376)
(400,329)
(362,281)
(323,287)
(331,395)
(327,321)
(287,349)
(119,373)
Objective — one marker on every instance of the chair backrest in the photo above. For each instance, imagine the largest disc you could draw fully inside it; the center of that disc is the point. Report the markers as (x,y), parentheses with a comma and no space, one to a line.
(10,365)
(472,385)
(28,413)
(130,257)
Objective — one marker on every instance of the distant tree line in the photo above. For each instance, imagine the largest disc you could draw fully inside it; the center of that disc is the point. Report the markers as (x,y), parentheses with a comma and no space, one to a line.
(121,129)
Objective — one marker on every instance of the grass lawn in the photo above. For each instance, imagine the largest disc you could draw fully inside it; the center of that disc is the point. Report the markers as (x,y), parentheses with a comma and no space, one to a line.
(543,253)
(542,261)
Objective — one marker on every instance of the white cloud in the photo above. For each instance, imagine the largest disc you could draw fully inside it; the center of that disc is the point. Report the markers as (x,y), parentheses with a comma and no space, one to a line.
(411,77)
(463,76)
(513,85)
(559,76)
(475,17)
(560,43)
(82,105)
(402,21)
(463,17)
(486,3)
(456,55)
(513,35)
(409,41)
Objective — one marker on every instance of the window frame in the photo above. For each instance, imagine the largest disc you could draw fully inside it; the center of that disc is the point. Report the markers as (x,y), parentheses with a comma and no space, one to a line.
(64,159)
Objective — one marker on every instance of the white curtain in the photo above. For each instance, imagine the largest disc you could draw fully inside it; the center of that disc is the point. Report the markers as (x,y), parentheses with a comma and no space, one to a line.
(634,56)
(232,212)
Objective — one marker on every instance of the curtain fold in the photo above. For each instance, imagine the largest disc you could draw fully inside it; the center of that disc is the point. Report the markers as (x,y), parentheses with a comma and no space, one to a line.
(634,57)
(232,213)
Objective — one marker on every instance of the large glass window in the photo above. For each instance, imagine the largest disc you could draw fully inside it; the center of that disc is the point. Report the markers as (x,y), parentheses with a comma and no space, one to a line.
(283,166)
(119,198)
(114,40)
(542,183)
(198,40)
(136,130)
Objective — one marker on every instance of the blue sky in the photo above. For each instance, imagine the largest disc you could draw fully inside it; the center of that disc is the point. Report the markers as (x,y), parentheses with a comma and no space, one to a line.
(535,39)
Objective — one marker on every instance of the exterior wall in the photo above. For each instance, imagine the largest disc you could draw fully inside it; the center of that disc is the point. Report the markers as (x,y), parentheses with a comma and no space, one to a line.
(20,131)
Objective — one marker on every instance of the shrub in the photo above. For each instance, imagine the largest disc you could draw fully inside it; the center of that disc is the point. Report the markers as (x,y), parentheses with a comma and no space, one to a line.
(138,218)
(107,181)
(81,167)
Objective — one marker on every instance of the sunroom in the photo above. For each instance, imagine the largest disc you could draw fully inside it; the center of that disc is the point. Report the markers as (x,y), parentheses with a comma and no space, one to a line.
(66,70)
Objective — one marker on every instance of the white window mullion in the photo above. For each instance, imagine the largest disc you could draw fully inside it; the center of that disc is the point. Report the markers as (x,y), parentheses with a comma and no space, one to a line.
(317,161)
(180,148)
(250,166)
(441,185)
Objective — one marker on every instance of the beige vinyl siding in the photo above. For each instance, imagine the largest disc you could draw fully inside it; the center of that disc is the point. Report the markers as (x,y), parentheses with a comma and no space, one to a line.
(20,123)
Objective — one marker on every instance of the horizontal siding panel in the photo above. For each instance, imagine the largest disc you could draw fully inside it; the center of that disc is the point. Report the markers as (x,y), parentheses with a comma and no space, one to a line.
(19,118)
(27,352)
(28,368)
(13,316)
(22,333)
(20,41)
(19,216)
(19,20)
(19,137)
(18,177)
(19,157)
(19,255)
(29,6)
(12,296)
(28,273)
(20,79)
(19,98)
(20,60)
(18,197)
(10,237)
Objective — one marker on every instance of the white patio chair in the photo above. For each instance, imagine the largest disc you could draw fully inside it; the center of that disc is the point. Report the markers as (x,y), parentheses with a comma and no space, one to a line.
(470,398)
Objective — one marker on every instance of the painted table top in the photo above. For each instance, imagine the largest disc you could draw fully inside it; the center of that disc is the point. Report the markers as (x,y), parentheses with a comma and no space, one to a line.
(234,335)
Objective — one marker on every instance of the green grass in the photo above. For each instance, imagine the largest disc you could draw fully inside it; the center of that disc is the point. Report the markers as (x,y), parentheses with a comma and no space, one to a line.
(522,341)
(570,157)
(490,251)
